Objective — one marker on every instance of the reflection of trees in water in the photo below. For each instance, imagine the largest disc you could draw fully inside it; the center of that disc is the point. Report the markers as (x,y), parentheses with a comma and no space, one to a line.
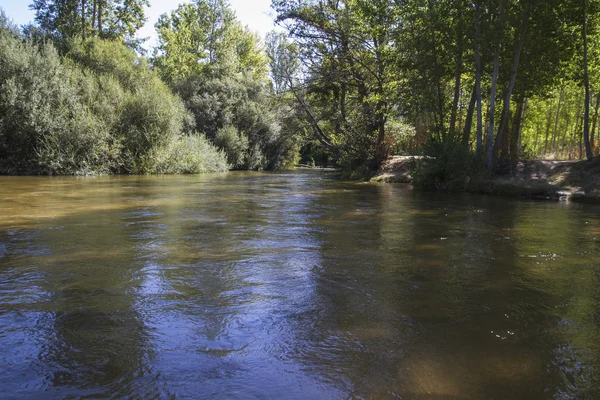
(345,333)
(557,259)
(422,294)
(237,261)
(93,339)
(462,255)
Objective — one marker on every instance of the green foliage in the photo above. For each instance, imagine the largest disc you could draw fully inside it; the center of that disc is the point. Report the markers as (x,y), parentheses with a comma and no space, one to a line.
(192,154)
(368,64)
(284,63)
(219,69)
(235,145)
(98,110)
(6,24)
(239,116)
(447,165)
(62,20)
(42,114)
(204,39)
(399,137)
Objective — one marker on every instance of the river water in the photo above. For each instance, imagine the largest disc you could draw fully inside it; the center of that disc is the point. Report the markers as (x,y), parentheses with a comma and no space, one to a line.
(292,285)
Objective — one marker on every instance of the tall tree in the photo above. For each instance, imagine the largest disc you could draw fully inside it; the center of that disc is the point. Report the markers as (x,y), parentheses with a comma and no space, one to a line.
(205,38)
(477,40)
(497,39)
(520,42)
(349,72)
(284,64)
(586,82)
(113,19)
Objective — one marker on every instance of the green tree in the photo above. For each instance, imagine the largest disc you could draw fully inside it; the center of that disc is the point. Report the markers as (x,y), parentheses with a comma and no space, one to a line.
(284,64)
(111,19)
(349,86)
(204,38)
(98,109)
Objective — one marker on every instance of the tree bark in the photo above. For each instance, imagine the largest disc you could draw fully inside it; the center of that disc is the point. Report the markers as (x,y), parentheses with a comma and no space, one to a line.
(514,137)
(490,127)
(578,124)
(567,124)
(523,114)
(458,72)
(100,17)
(513,77)
(535,142)
(94,15)
(469,119)
(438,79)
(586,82)
(554,131)
(478,80)
(581,145)
(83,19)
(594,121)
(548,122)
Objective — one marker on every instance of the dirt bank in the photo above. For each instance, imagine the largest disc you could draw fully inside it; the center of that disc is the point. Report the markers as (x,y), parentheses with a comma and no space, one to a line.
(538,179)
(395,170)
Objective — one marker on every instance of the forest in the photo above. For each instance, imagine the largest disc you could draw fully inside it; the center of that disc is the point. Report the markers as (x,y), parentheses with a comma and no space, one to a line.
(473,86)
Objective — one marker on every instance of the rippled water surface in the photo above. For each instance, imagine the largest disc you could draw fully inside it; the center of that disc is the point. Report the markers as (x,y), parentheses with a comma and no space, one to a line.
(292,285)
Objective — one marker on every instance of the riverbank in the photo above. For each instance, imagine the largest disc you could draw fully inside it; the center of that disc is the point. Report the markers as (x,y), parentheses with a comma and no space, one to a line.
(534,179)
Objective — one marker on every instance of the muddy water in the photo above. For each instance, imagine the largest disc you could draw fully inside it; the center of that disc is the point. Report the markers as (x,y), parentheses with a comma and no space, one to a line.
(292,285)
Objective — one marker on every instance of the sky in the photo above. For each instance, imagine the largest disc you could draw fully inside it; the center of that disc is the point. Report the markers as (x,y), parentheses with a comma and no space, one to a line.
(256,14)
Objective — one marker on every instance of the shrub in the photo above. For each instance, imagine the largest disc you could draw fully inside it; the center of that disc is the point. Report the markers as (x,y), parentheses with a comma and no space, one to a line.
(235,145)
(45,128)
(447,165)
(243,104)
(100,109)
(192,154)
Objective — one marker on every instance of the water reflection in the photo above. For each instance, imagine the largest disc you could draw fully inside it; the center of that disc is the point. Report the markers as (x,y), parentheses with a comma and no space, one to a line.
(292,285)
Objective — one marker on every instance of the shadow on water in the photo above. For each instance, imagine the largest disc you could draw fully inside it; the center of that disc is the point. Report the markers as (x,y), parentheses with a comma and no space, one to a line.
(293,285)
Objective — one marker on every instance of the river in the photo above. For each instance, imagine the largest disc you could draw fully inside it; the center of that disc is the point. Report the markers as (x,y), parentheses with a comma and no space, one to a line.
(293,285)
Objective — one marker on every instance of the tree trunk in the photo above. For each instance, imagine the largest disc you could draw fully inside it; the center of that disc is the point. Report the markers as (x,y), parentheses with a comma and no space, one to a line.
(577,120)
(535,142)
(578,124)
(458,72)
(438,75)
(548,122)
(83,19)
(94,15)
(478,80)
(100,17)
(380,150)
(553,141)
(520,136)
(513,77)
(581,145)
(514,137)
(567,123)
(594,121)
(503,153)
(490,127)
(469,119)
(586,82)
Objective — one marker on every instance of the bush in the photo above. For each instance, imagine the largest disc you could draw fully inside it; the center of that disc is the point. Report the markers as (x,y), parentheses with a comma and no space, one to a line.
(447,165)
(46,128)
(184,155)
(239,116)
(399,137)
(100,109)
(235,145)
